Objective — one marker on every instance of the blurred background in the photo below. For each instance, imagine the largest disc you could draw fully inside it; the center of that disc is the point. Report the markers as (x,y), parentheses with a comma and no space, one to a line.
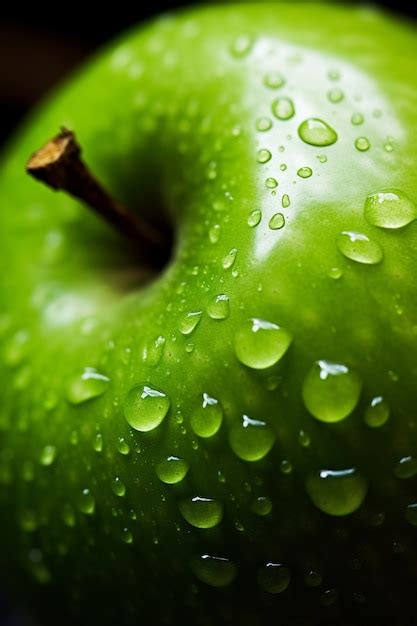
(40,44)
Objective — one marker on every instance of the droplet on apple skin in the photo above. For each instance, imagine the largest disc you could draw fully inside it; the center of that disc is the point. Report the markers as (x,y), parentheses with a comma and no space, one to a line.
(218,307)
(251,439)
(337,492)
(377,413)
(390,209)
(118,487)
(86,386)
(283,108)
(47,456)
(316,132)
(207,417)
(145,407)
(406,467)
(213,570)
(86,502)
(262,506)
(201,512)
(360,248)
(273,577)
(259,344)
(172,470)
(189,322)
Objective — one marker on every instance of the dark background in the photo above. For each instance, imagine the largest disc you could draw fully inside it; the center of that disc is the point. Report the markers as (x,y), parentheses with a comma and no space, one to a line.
(41,43)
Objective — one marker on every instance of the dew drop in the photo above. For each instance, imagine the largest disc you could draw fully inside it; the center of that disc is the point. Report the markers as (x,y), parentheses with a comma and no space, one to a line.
(331,391)
(304,439)
(285,202)
(127,536)
(264,155)
(172,470)
(206,419)
(406,467)
(145,407)
(317,133)
(305,172)
(263,124)
(274,80)
(229,259)
(201,512)
(337,493)
(90,384)
(219,307)
(286,467)
(118,487)
(277,221)
(260,344)
(86,502)
(271,183)
(189,322)
(251,439)
(362,144)
(47,456)
(241,46)
(214,570)
(154,350)
(357,119)
(358,247)
(390,208)
(335,273)
(273,577)
(335,95)
(262,506)
(254,218)
(283,108)
(377,412)
(122,446)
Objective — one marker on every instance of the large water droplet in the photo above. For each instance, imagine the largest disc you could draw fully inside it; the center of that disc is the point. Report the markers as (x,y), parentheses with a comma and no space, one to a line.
(251,439)
(283,108)
(219,307)
(206,419)
(277,221)
(331,391)
(189,322)
(316,132)
(358,247)
(260,344)
(337,493)
(145,407)
(214,570)
(274,577)
(406,467)
(377,412)
(390,208)
(271,183)
(90,384)
(127,536)
(86,502)
(172,470)
(201,512)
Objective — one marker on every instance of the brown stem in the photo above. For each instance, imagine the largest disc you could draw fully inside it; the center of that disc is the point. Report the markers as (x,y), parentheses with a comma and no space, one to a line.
(58,164)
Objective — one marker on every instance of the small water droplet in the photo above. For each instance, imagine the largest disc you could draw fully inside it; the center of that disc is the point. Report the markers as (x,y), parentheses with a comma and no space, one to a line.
(47,456)
(277,221)
(206,419)
(283,167)
(145,408)
(154,350)
(251,439)
(335,273)
(286,466)
(213,570)
(411,514)
(241,46)
(305,172)
(335,95)
(254,218)
(283,108)
(331,391)
(304,439)
(189,322)
(390,208)
(357,119)
(229,259)
(90,384)
(313,578)
(201,512)
(322,158)
(98,442)
(262,506)
(359,247)
(316,132)
(337,492)
(263,155)
(274,80)
(86,502)
(214,233)
(273,577)
(260,344)
(329,597)
(263,124)
(285,202)
(406,467)
(127,536)
(271,183)
(362,144)
(377,413)
(219,307)
(172,470)
(118,487)
(122,446)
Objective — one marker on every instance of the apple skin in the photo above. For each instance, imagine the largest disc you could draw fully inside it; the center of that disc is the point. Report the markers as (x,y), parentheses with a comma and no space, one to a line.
(168,117)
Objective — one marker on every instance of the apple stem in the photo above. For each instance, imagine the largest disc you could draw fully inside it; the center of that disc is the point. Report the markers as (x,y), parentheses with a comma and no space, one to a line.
(58,164)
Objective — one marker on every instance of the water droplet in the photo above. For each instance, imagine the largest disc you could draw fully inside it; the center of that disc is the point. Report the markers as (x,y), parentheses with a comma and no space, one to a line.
(118,487)
(172,470)
(154,350)
(229,259)
(274,80)
(260,344)
(241,46)
(313,578)
(201,512)
(305,172)
(98,442)
(271,183)
(206,419)
(262,506)
(285,202)
(263,124)
(358,247)
(264,155)
(411,514)
(122,446)
(254,218)
(286,466)
(277,221)
(357,119)
(219,307)
(16,348)
(333,75)
(90,384)
(316,132)
(47,456)
(362,144)
(214,233)
(335,95)
(283,166)
(335,273)
(86,502)
(213,570)
(406,467)
(377,412)
(189,348)
(304,439)
(274,577)
(127,536)
(28,521)
(331,391)
(283,108)
(189,322)
(338,492)
(329,597)
(390,208)
(145,407)
(251,439)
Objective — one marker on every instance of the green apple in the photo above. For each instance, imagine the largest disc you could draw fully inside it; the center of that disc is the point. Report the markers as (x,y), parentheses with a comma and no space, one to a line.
(231,439)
